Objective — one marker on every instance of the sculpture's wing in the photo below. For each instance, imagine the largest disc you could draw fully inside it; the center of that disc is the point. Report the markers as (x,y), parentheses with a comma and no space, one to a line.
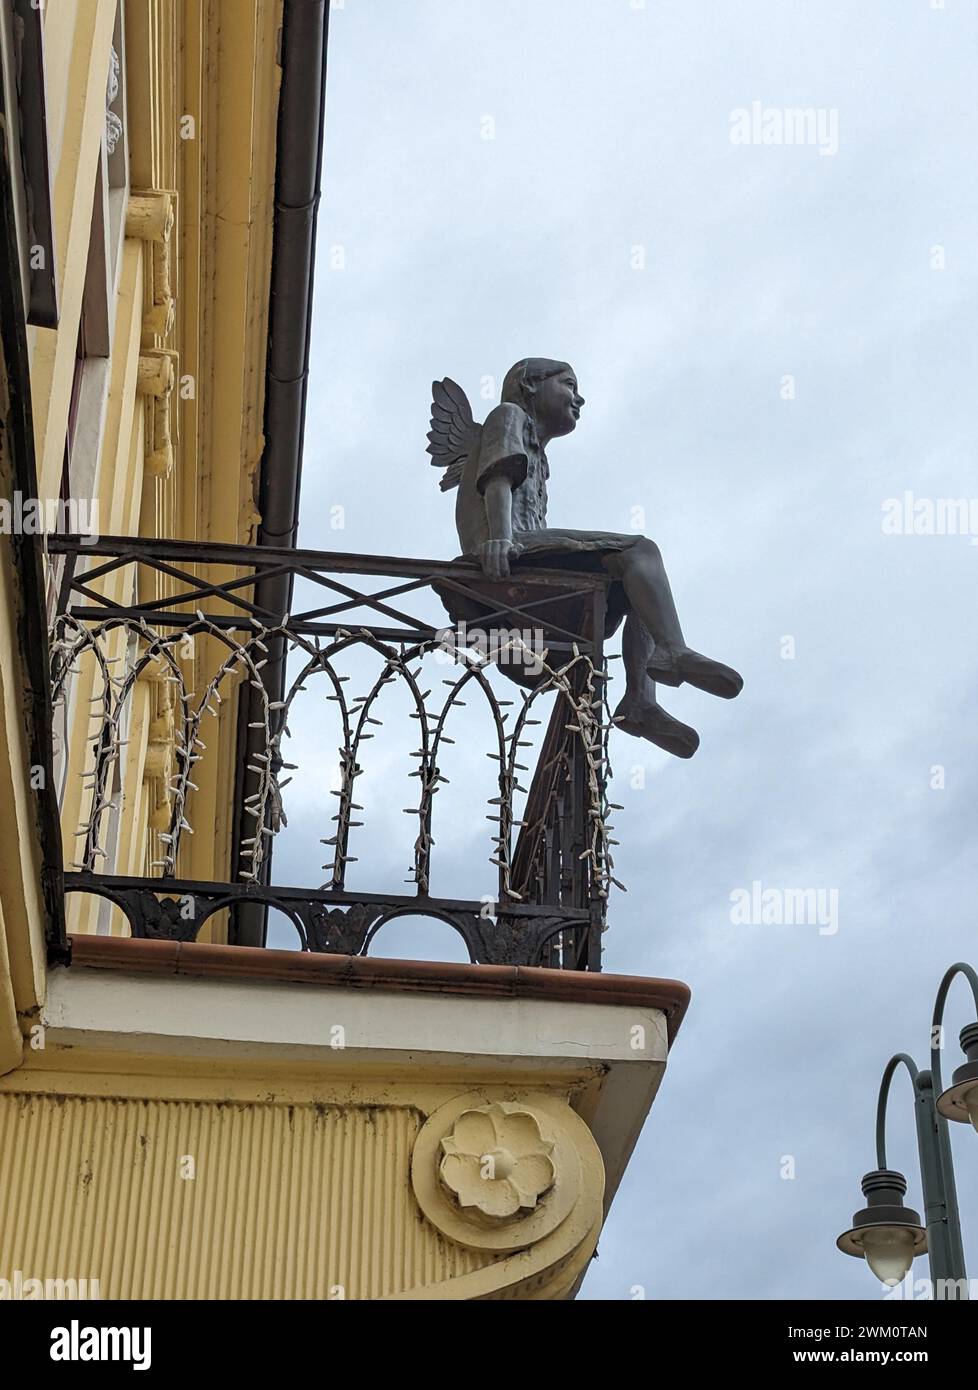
(454,433)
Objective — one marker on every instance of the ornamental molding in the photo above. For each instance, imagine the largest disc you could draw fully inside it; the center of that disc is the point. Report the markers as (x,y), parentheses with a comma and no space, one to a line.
(150,218)
(150,214)
(159,764)
(503,1172)
(159,454)
(154,373)
(496,1165)
(155,376)
(113,123)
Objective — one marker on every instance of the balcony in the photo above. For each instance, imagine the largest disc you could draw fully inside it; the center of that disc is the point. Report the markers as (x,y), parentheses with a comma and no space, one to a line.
(267,647)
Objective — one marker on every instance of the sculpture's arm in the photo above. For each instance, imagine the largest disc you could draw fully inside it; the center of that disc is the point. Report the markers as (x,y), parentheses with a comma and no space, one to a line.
(495,552)
(501,467)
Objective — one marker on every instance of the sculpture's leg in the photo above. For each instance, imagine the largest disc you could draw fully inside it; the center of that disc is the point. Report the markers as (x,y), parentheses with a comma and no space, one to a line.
(637,647)
(639,713)
(646,585)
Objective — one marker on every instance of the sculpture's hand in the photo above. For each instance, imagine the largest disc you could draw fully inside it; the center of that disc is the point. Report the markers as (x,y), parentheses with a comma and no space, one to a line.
(494,557)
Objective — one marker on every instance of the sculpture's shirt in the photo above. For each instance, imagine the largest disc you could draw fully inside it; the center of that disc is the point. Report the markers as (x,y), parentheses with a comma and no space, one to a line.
(508,448)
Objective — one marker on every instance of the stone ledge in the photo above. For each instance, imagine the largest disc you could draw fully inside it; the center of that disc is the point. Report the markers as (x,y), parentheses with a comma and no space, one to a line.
(366,972)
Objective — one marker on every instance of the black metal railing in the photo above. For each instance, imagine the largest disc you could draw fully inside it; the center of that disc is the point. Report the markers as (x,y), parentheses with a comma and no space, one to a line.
(189,618)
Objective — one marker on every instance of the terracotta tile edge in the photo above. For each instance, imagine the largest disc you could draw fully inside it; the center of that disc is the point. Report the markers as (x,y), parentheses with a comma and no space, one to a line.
(367,972)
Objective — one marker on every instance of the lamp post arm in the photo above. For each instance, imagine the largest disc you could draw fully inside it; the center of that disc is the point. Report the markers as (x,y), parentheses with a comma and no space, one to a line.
(937,1026)
(888,1074)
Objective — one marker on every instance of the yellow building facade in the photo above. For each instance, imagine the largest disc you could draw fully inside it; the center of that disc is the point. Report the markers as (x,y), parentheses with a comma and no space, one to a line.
(189,1118)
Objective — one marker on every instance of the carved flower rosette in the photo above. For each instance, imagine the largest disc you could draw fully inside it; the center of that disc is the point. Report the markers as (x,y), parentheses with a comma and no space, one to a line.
(496,1166)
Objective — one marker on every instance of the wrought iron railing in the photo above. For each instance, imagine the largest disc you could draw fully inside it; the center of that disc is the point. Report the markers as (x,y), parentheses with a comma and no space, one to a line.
(194,619)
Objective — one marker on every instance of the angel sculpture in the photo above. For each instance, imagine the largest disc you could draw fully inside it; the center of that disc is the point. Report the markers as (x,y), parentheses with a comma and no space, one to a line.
(500,469)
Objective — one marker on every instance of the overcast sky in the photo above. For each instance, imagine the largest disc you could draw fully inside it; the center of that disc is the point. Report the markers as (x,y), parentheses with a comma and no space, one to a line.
(444,252)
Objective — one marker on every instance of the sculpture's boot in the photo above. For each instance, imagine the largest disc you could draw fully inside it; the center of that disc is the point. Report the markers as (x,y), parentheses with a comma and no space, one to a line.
(644,720)
(673,666)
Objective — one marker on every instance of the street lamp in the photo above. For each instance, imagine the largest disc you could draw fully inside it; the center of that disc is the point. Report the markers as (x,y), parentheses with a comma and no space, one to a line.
(887,1234)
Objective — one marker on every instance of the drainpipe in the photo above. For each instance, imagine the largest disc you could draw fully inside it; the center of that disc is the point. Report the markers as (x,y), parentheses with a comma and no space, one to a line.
(28,614)
(26,120)
(298,171)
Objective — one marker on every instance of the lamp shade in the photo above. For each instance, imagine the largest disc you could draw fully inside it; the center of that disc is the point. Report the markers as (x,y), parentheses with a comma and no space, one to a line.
(960,1100)
(885,1233)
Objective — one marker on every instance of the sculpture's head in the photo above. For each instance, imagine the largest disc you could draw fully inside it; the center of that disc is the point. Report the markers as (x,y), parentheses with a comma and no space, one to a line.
(547,391)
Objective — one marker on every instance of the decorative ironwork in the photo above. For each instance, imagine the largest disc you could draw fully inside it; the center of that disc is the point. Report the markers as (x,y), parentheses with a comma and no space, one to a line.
(338,930)
(134,610)
(338,924)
